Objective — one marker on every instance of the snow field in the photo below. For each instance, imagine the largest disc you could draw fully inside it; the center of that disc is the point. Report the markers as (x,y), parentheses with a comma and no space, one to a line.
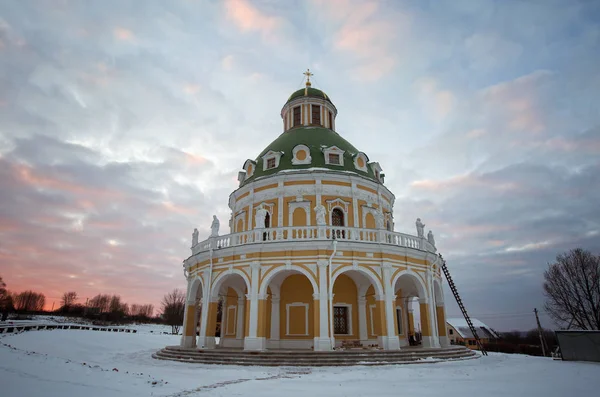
(90,363)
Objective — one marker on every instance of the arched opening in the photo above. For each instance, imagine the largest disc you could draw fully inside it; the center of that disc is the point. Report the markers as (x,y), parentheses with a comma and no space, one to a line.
(228,311)
(337,217)
(358,310)
(267,225)
(192,314)
(290,310)
(413,322)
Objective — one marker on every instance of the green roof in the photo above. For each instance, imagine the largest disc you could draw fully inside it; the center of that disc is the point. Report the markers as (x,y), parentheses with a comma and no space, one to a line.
(316,138)
(309,92)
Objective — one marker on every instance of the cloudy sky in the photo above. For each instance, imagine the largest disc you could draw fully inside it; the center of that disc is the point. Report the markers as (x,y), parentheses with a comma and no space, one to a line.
(123,125)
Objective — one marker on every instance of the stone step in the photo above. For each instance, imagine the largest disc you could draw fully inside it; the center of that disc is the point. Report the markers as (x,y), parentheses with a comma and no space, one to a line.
(308,358)
(301,354)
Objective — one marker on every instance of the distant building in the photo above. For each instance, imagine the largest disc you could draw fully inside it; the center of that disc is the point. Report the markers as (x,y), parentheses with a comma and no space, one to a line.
(460,334)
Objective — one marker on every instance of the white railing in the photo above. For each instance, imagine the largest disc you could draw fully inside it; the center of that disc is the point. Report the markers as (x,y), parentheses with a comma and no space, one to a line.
(304,233)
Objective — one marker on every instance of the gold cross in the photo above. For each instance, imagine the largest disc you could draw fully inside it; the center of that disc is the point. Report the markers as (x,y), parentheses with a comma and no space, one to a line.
(308,74)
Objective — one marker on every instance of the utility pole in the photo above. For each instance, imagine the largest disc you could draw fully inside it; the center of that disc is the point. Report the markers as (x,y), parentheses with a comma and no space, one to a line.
(52,306)
(541,334)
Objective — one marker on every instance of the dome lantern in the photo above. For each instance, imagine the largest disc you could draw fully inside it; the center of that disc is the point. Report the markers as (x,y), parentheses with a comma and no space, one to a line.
(307,107)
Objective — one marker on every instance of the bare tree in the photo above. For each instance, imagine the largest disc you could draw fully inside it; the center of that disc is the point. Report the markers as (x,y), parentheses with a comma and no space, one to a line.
(572,289)
(142,311)
(68,299)
(30,301)
(6,303)
(173,306)
(100,302)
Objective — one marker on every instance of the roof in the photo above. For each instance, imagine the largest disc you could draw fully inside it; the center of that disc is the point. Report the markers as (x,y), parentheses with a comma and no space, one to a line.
(461,326)
(316,138)
(309,92)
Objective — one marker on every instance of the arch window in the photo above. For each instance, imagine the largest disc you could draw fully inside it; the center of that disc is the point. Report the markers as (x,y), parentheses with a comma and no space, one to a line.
(337,217)
(337,220)
(296,116)
(316,114)
(267,225)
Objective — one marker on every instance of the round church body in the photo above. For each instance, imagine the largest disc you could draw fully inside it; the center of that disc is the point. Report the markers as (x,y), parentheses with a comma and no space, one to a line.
(311,263)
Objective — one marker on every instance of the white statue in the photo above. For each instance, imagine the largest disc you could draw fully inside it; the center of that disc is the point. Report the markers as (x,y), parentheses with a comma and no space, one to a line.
(320,211)
(430,238)
(214,227)
(379,219)
(195,237)
(259,218)
(420,228)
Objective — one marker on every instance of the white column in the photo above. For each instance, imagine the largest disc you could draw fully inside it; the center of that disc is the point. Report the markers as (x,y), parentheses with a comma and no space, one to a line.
(275,322)
(241,310)
(362,320)
(280,193)
(435,340)
(322,341)
(356,223)
(390,341)
(252,341)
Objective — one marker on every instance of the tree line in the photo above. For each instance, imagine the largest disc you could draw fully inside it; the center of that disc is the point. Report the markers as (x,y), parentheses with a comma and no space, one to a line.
(103,306)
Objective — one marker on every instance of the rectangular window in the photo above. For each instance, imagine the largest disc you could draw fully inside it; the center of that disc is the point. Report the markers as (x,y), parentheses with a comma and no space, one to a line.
(271,163)
(330,120)
(334,159)
(297,116)
(316,114)
(451,331)
(340,320)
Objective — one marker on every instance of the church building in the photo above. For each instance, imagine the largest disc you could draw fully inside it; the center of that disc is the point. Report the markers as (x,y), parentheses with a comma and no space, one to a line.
(311,259)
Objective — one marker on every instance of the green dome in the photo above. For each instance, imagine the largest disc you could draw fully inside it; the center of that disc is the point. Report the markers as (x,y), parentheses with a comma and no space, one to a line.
(309,92)
(316,138)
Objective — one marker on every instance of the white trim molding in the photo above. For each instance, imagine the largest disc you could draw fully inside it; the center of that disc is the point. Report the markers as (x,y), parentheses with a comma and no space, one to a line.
(227,333)
(295,150)
(287,318)
(333,150)
(293,205)
(270,155)
(365,159)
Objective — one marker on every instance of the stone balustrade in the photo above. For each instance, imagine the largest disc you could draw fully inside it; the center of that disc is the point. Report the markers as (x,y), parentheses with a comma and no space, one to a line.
(305,233)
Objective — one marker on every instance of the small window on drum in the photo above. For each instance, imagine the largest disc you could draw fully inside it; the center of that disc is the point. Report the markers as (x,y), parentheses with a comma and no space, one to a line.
(297,115)
(316,114)
(271,163)
(334,159)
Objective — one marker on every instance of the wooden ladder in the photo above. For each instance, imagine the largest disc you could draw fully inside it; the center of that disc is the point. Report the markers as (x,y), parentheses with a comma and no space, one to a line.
(461,306)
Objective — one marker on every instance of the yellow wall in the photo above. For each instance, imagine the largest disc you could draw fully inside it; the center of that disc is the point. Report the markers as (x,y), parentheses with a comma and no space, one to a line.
(425,328)
(441,321)
(299,217)
(377,321)
(189,323)
(211,326)
(344,291)
(296,288)
(231,322)
(370,221)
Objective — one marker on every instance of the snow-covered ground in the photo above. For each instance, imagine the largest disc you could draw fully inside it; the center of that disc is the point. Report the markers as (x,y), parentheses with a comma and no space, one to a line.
(90,363)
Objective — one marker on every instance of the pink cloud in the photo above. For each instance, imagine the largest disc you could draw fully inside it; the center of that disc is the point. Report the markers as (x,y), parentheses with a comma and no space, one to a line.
(123,34)
(371,41)
(248,18)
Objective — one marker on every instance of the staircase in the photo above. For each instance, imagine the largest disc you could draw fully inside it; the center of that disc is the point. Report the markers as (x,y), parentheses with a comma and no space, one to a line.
(309,358)
(461,306)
